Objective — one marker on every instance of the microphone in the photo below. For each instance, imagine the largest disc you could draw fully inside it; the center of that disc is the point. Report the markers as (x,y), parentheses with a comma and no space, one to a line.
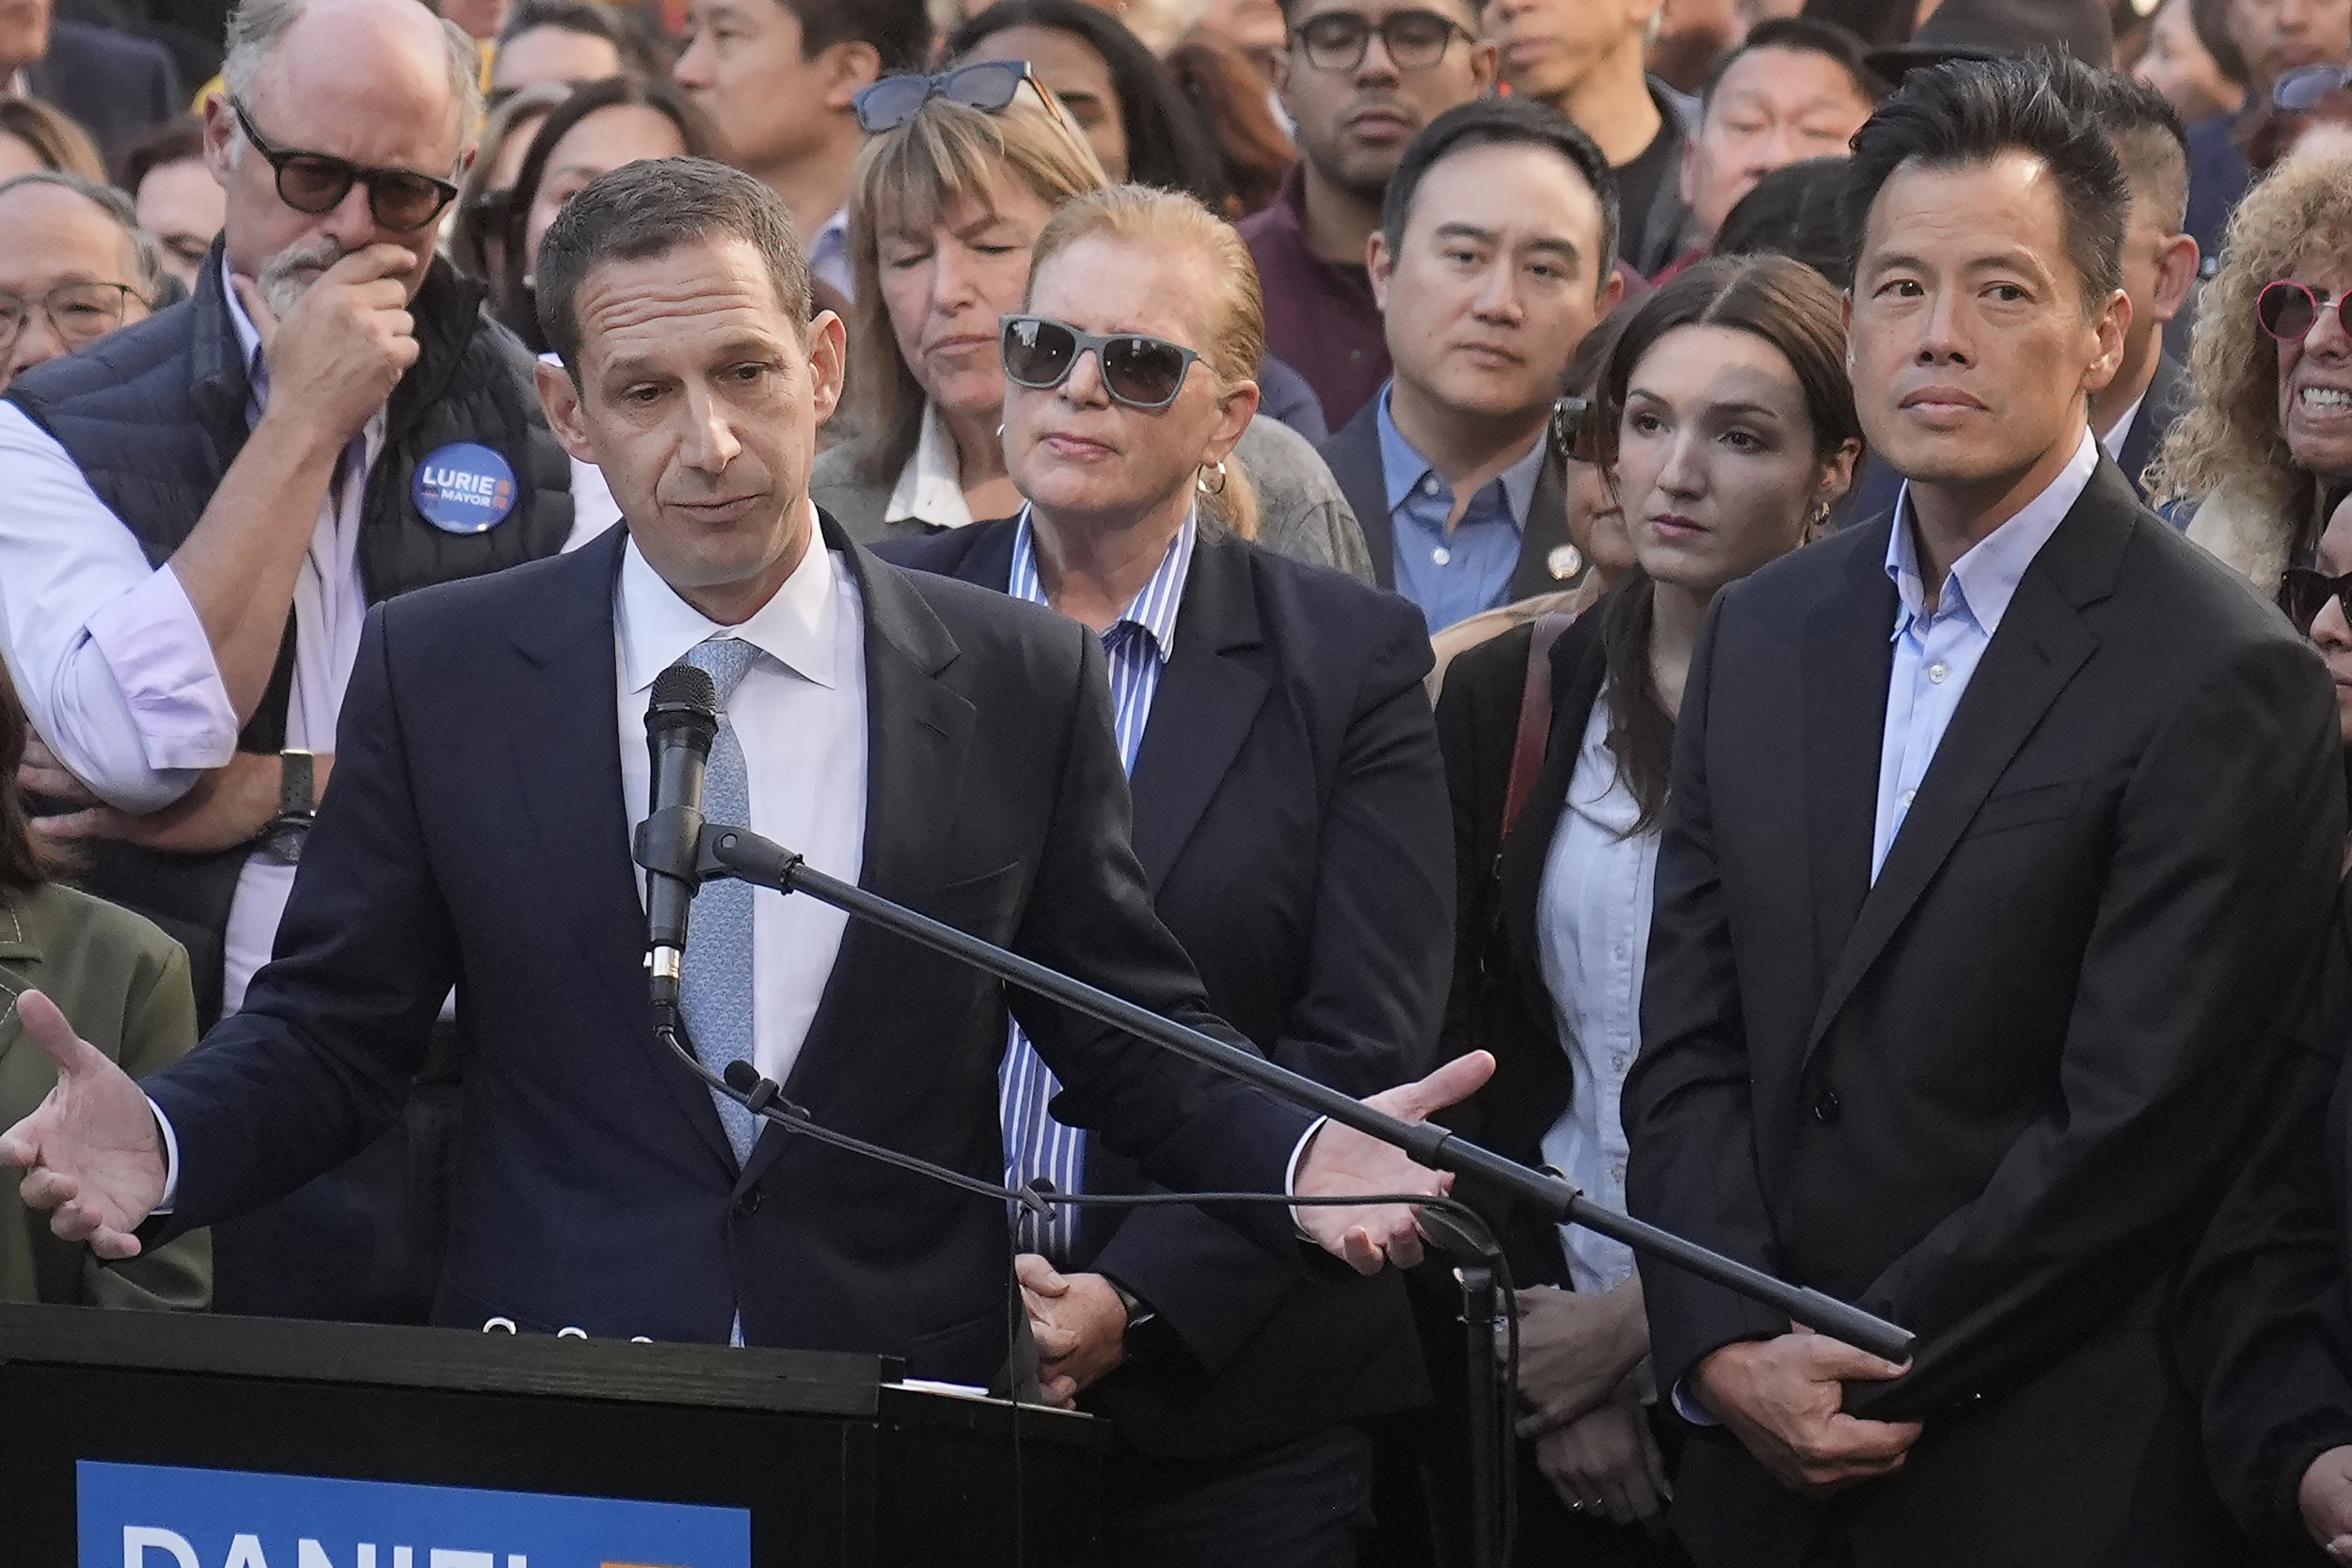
(681,722)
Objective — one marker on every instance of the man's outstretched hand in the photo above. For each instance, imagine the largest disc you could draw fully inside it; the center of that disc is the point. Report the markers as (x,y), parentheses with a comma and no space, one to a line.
(90,1150)
(1342,1161)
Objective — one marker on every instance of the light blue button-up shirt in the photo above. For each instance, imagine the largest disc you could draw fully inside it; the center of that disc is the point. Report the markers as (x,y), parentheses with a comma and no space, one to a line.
(1457,573)
(1936,652)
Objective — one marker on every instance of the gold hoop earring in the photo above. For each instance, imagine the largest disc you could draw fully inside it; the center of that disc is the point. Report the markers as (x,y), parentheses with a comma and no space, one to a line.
(1203,484)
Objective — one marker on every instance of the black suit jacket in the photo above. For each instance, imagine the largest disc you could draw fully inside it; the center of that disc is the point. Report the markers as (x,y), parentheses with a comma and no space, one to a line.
(1499,1002)
(118,85)
(473,835)
(1290,815)
(2266,1322)
(1995,1094)
(1353,454)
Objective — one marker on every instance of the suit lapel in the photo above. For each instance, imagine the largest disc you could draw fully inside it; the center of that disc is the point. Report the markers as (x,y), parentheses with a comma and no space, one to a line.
(1210,693)
(1546,531)
(1354,456)
(582,826)
(1579,667)
(917,731)
(1849,652)
(2041,644)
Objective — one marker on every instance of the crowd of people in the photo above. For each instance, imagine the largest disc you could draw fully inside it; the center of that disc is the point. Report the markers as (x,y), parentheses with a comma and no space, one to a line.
(1747,600)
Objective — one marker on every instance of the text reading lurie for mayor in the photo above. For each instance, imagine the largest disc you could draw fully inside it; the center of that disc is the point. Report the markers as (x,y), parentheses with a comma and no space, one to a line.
(162,1517)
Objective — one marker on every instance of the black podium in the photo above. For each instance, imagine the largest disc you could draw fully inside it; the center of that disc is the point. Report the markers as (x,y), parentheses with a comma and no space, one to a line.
(170,1438)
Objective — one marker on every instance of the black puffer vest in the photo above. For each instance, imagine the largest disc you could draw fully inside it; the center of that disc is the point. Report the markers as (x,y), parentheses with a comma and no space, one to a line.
(155,413)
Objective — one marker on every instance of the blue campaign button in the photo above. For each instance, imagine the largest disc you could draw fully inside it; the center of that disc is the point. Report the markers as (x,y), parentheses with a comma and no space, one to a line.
(464,488)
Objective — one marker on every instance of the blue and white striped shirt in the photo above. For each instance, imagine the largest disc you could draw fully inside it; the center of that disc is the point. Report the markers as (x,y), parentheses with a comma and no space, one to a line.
(1137,646)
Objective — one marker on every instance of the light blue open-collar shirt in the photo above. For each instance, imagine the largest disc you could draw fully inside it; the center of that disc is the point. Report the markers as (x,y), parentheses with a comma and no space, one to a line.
(1457,573)
(1937,650)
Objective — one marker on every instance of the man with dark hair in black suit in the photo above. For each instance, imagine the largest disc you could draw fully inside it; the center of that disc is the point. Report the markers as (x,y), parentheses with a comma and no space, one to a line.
(2004,832)
(116,84)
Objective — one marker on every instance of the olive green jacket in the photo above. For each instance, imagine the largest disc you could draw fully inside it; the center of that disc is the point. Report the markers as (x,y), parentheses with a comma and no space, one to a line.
(124,985)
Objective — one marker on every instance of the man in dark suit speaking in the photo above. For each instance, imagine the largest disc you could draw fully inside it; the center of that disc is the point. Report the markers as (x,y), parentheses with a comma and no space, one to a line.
(942,745)
(2004,830)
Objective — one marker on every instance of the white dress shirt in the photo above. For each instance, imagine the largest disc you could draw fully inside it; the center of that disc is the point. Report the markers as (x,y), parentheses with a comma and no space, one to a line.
(1592,940)
(1936,652)
(931,487)
(115,669)
(2113,440)
(800,715)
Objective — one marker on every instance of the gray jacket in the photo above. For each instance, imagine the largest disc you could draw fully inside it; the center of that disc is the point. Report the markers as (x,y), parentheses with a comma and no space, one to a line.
(1303,514)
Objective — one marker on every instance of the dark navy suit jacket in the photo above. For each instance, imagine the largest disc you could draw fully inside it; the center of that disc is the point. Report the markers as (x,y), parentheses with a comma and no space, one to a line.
(1291,817)
(473,834)
(118,85)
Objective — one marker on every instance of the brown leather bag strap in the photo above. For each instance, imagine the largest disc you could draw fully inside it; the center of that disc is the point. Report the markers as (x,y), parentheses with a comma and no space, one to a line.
(1534,731)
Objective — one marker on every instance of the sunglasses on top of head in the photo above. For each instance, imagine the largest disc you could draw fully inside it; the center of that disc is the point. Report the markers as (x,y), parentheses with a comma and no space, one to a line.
(2288,310)
(1140,372)
(988,86)
(316,183)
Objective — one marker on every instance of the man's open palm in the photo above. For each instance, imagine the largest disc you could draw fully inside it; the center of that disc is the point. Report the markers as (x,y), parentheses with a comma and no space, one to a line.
(90,1150)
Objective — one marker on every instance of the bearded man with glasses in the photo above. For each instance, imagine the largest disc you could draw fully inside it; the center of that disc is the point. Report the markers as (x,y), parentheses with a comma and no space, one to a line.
(1359,79)
(204,506)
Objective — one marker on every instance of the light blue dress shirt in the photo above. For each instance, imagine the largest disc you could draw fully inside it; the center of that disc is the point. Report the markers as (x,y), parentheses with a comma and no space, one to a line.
(1937,650)
(1453,575)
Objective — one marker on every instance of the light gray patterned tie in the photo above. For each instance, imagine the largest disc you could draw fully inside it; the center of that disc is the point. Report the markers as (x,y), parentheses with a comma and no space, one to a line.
(715,985)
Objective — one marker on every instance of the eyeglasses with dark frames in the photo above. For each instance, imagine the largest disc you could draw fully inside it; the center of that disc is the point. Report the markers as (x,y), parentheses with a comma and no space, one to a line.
(2288,310)
(1415,40)
(402,199)
(2305,593)
(988,86)
(78,313)
(1140,372)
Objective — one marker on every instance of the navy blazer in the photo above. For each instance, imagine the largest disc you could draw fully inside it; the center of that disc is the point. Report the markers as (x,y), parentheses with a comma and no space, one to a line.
(119,86)
(1291,817)
(473,834)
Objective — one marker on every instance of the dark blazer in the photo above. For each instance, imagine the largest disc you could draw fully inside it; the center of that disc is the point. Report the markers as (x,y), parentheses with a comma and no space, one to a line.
(2168,396)
(1290,815)
(120,86)
(1993,1095)
(2266,1324)
(595,1184)
(1499,1002)
(1353,457)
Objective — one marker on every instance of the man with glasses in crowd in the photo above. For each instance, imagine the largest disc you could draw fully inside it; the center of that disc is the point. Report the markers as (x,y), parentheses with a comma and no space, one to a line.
(202,509)
(1359,79)
(74,266)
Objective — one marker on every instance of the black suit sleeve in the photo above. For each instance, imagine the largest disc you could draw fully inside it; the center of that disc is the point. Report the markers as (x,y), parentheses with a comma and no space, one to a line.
(1690,1117)
(1477,727)
(1375,983)
(2219,885)
(1089,916)
(320,1060)
(2264,1330)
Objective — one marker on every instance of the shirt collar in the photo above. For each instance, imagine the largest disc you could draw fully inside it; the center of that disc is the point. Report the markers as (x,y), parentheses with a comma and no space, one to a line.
(2115,438)
(1405,468)
(248,335)
(931,487)
(1155,609)
(795,627)
(1983,581)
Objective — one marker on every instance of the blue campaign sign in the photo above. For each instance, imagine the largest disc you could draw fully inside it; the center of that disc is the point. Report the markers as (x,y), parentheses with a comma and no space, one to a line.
(157,1516)
(464,487)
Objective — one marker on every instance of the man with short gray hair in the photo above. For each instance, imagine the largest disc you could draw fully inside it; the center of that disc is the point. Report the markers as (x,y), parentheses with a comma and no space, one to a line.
(74,266)
(204,506)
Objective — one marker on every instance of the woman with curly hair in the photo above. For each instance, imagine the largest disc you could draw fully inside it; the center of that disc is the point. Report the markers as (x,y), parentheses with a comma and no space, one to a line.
(2266,452)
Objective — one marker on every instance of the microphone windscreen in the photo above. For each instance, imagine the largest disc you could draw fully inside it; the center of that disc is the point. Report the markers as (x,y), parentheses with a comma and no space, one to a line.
(684,686)
(741,1075)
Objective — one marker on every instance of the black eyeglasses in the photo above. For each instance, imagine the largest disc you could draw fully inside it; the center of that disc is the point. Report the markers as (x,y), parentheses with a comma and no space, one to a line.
(2304,89)
(1336,40)
(78,313)
(1140,371)
(988,86)
(2305,593)
(1575,430)
(402,199)
(2288,310)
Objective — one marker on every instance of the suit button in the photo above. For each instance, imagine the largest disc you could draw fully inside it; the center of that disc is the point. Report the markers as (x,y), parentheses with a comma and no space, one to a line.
(1825,1109)
(748,1205)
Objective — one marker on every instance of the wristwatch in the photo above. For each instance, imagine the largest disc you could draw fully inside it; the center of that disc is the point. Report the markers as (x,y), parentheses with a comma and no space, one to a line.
(1148,1338)
(297,805)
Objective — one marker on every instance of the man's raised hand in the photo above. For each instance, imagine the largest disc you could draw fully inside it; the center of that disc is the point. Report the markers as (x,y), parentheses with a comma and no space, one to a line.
(90,1150)
(1343,1161)
(334,357)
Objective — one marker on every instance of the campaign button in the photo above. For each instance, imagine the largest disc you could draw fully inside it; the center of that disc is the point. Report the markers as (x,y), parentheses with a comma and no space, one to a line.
(464,488)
